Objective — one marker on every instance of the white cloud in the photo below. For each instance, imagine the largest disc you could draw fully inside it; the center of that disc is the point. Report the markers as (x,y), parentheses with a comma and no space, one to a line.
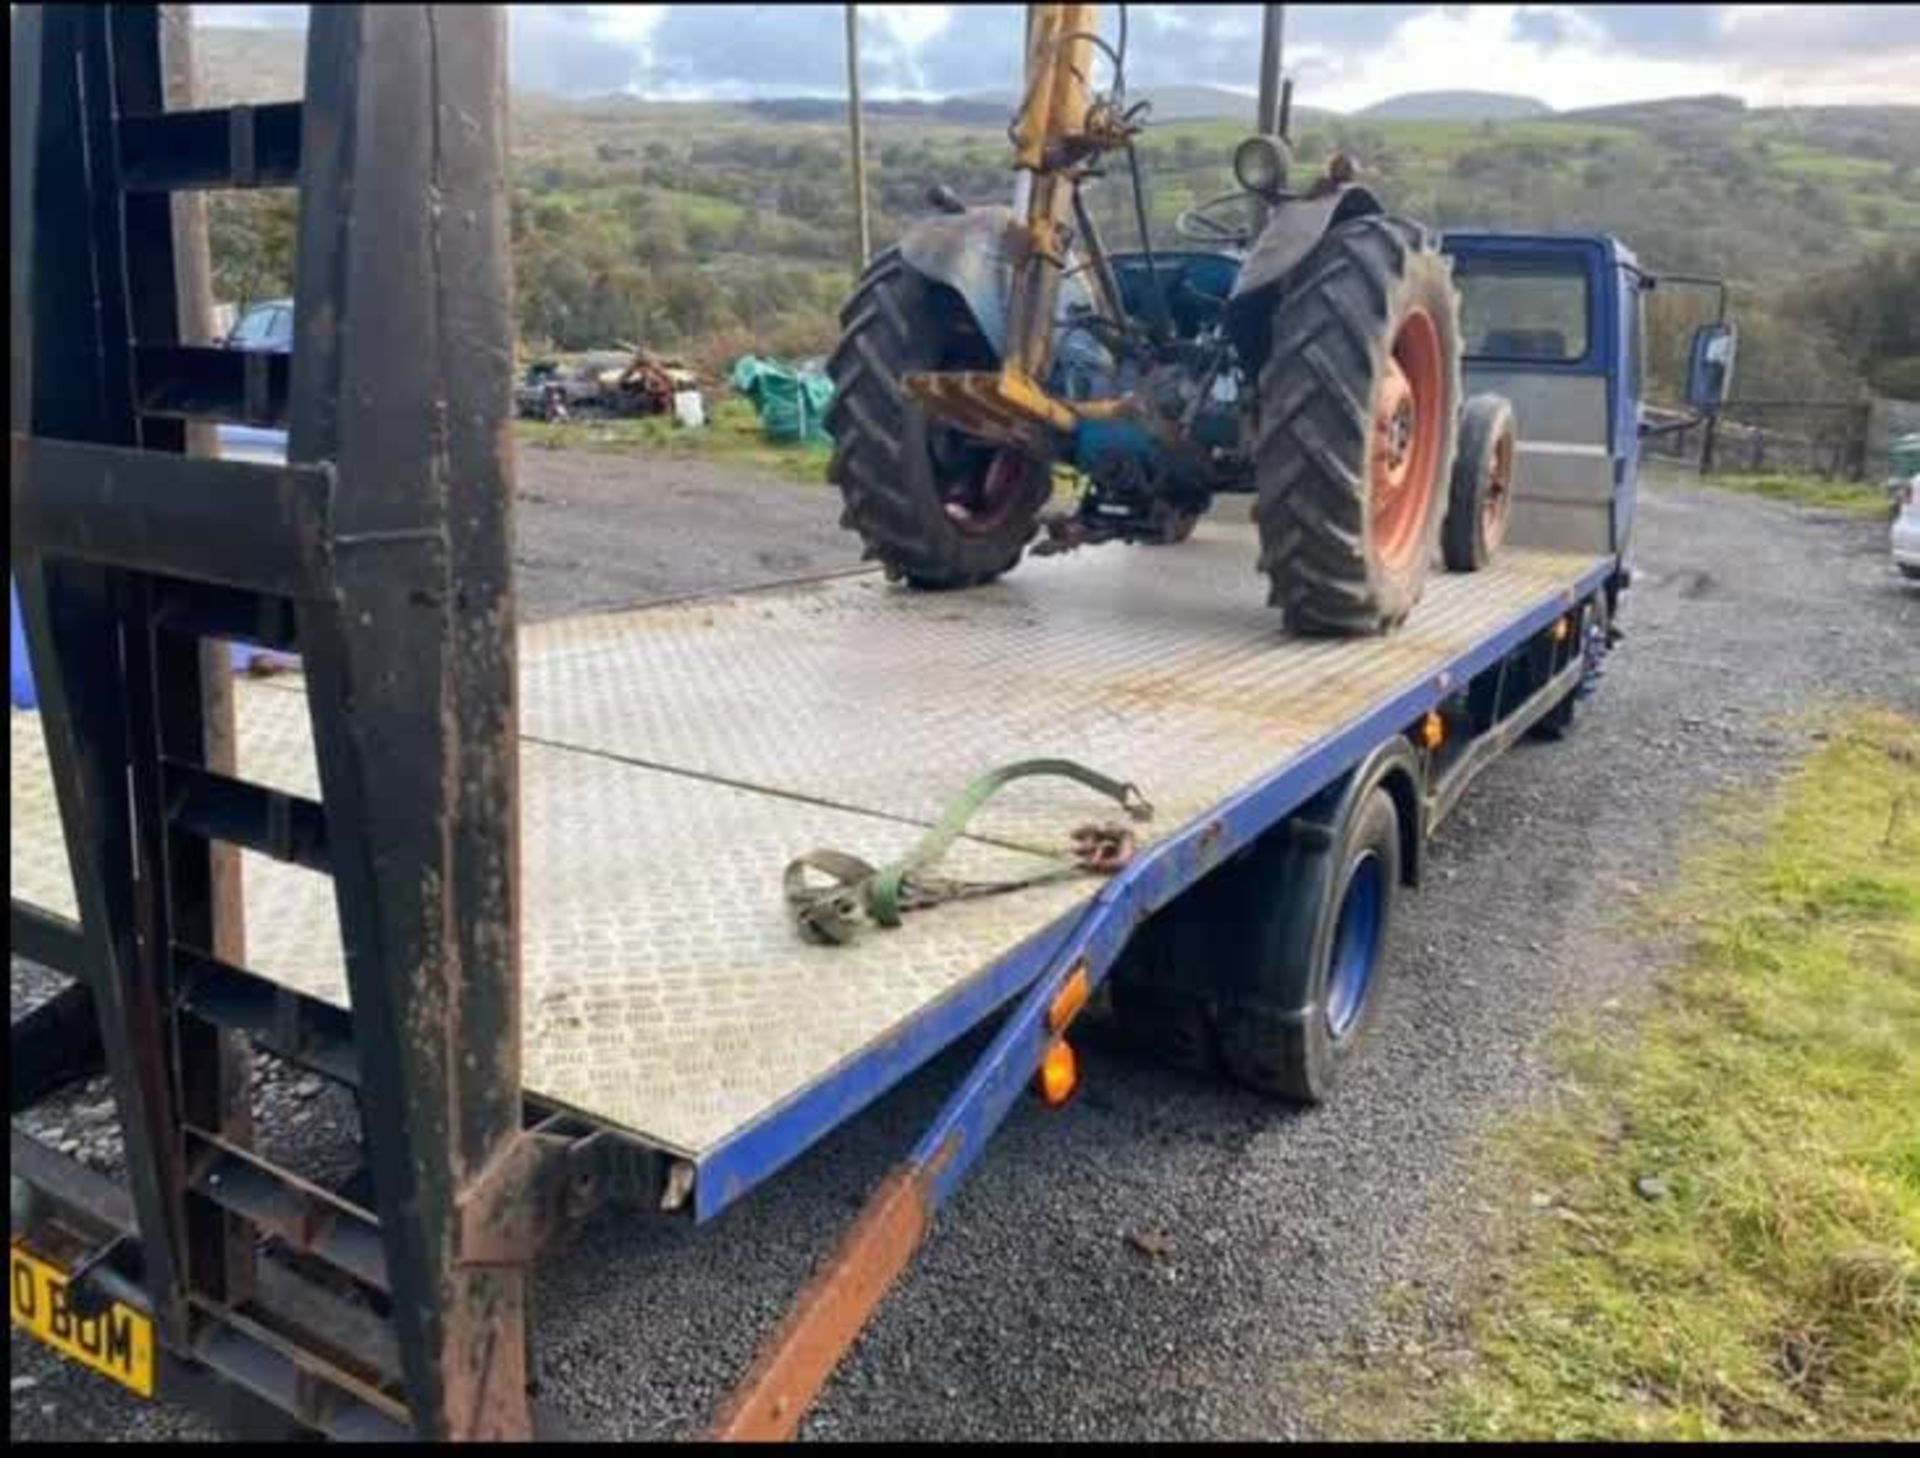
(1478,48)
(1344,56)
(627,23)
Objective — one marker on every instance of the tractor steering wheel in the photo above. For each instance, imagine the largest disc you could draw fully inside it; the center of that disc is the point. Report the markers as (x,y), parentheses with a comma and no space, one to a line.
(1201,224)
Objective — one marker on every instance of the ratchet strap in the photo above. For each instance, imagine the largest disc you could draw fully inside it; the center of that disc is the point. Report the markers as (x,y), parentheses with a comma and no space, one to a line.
(832,913)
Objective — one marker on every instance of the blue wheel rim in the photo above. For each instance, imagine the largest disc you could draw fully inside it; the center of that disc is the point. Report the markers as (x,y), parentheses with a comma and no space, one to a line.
(1356,945)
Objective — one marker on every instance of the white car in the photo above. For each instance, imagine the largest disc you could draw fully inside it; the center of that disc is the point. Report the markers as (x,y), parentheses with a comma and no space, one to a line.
(1906,530)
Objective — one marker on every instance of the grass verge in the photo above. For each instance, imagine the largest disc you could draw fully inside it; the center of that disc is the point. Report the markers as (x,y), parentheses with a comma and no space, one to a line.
(1716,1232)
(1856,498)
(732,433)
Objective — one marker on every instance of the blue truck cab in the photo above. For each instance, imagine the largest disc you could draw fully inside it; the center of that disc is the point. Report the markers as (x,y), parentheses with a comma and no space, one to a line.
(1554,323)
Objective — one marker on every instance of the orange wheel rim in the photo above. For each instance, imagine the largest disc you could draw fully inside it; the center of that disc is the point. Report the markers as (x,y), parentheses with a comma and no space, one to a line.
(1408,417)
(1493,510)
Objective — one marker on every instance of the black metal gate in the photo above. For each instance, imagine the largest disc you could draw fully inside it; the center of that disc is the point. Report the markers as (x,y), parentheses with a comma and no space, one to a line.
(381,553)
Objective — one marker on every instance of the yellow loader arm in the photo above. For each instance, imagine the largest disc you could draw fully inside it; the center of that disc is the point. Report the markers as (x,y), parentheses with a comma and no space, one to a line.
(1060,128)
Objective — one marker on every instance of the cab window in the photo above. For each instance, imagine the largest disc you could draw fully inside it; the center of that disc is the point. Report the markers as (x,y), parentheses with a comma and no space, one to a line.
(1523,309)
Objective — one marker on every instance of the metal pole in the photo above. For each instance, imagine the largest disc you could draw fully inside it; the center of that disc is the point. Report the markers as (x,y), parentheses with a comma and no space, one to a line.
(1272,25)
(863,234)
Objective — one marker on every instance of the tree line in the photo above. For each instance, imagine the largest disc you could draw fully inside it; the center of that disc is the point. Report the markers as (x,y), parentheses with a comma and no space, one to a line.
(719,239)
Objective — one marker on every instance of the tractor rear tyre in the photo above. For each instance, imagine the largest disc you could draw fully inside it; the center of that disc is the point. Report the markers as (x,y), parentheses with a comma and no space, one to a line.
(1482,492)
(933,507)
(1358,404)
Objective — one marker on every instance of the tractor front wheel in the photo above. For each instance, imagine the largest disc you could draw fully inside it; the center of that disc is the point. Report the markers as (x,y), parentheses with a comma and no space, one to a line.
(1356,427)
(934,507)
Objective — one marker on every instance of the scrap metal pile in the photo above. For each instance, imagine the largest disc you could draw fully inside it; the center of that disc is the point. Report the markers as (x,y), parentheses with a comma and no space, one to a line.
(633,381)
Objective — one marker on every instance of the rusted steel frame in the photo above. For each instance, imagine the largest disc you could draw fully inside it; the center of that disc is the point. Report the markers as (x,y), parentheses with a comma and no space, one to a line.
(75,1212)
(210,1069)
(311,1220)
(288,828)
(241,524)
(51,940)
(198,382)
(830,1312)
(215,147)
(401,379)
(68,1188)
(53,1046)
(546,1180)
(71,318)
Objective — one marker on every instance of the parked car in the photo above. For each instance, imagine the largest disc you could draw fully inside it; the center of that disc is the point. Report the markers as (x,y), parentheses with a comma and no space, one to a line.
(1906,530)
(267,325)
(264,327)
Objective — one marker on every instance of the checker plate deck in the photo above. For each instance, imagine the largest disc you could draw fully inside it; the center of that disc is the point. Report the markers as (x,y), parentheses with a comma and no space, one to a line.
(677,756)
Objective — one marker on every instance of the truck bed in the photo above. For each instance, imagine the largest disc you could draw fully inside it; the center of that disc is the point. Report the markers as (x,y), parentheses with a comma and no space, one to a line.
(677,756)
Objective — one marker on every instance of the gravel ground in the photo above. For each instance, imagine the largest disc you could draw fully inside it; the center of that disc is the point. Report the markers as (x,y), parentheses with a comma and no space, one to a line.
(600,531)
(1163,1258)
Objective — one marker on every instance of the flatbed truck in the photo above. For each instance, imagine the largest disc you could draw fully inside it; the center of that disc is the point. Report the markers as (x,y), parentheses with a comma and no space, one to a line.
(519,887)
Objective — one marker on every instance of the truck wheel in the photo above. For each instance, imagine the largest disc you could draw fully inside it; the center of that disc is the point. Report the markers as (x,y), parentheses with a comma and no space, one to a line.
(1317,951)
(1357,417)
(1482,489)
(934,507)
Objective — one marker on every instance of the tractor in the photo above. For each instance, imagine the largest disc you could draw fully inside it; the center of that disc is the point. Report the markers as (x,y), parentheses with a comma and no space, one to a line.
(1306,350)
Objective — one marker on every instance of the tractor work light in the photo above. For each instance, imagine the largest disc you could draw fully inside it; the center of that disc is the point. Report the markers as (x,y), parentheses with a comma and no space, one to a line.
(1260,164)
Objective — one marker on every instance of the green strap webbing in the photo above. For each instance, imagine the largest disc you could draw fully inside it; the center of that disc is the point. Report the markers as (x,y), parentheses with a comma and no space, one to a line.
(831,914)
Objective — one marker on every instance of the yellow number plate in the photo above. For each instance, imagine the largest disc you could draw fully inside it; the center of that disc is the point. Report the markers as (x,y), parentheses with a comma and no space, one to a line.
(118,1342)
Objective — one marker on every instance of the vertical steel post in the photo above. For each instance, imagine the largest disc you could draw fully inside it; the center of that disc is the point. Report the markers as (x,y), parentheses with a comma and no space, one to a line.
(402,381)
(1266,118)
(193,268)
(863,232)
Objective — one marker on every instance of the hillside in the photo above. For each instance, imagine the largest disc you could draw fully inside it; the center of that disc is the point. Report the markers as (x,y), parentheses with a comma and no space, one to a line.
(714,227)
(1455,106)
(249,66)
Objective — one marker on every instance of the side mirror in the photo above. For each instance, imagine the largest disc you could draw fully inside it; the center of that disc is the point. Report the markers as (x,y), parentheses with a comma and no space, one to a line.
(1710,366)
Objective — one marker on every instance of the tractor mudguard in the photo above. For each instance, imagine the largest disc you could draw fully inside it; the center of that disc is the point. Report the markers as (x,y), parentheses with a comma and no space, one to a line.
(968,253)
(1294,227)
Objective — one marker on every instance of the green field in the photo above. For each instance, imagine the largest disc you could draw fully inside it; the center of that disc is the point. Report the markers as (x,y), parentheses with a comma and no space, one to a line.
(732,433)
(1715,1232)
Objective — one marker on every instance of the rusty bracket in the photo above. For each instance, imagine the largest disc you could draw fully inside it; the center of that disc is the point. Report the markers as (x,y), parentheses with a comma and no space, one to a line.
(545,1181)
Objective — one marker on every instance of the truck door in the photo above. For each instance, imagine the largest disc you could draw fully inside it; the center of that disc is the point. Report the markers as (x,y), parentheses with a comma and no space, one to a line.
(1625,405)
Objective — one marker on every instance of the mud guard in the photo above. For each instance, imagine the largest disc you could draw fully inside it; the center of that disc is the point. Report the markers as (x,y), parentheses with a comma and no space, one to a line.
(1296,225)
(968,253)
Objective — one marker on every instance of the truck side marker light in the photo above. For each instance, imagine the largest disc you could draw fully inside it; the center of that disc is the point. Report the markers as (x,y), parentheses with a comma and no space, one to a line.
(1561,627)
(1433,731)
(1059,1074)
(1071,997)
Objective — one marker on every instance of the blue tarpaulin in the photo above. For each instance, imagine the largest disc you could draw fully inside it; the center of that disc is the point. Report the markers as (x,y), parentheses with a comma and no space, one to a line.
(19,670)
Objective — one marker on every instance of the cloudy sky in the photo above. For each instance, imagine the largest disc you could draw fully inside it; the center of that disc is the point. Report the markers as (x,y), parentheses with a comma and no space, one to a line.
(1342,56)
